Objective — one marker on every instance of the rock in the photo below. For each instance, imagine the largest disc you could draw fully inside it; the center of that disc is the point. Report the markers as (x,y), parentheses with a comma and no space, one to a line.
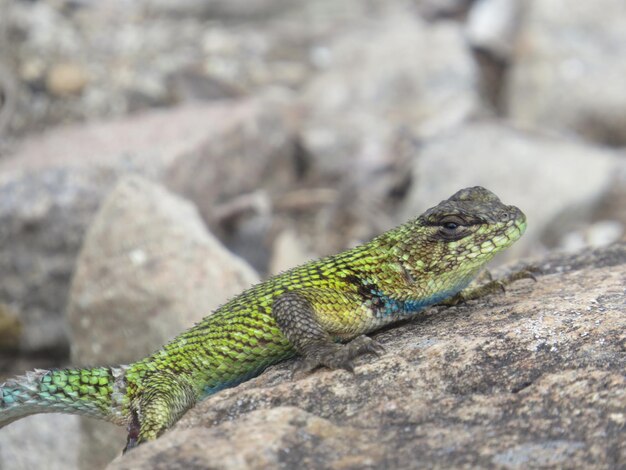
(288,251)
(207,152)
(52,185)
(213,9)
(66,79)
(492,26)
(598,234)
(149,264)
(555,182)
(148,269)
(45,440)
(530,378)
(43,215)
(10,329)
(356,109)
(131,51)
(569,68)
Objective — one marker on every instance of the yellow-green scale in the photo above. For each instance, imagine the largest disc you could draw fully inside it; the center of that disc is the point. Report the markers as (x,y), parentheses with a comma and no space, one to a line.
(241,338)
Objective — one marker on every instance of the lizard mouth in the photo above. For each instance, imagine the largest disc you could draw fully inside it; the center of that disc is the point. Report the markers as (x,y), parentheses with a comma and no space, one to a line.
(515,228)
(512,229)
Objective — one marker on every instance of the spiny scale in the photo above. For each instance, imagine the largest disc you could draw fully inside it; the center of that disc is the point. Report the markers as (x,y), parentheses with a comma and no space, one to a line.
(306,311)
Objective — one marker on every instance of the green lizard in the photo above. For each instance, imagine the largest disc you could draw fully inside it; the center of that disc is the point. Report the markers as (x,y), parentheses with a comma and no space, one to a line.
(321,311)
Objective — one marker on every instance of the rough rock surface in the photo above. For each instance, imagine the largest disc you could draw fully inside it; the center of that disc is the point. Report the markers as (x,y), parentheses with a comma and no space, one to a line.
(533,378)
(148,269)
(569,68)
(556,182)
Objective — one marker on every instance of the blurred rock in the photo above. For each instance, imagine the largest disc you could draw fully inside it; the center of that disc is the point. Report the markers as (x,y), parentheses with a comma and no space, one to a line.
(598,234)
(434,10)
(52,185)
(223,9)
(43,215)
(492,26)
(66,79)
(288,251)
(368,95)
(41,441)
(531,378)
(555,182)
(247,147)
(569,69)
(148,269)
(10,329)
(131,50)
(209,153)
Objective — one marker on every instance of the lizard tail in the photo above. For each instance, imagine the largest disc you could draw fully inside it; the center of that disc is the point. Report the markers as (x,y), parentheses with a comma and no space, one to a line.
(89,392)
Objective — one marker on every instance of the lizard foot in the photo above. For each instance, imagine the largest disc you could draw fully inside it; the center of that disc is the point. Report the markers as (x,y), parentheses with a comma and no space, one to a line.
(338,356)
(493,286)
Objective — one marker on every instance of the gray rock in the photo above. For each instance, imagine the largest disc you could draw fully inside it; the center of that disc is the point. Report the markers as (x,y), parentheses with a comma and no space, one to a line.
(218,9)
(367,96)
(492,26)
(130,55)
(43,215)
(149,264)
(288,251)
(530,378)
(47,440)
(52,185)
(569,69)
(148,269)
(555,182)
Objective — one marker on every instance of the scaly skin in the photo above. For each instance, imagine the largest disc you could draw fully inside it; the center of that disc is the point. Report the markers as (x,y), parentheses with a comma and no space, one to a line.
(320,310)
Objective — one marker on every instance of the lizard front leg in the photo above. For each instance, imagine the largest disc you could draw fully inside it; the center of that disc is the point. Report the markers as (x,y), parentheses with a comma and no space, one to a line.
(491,286)
(297,319)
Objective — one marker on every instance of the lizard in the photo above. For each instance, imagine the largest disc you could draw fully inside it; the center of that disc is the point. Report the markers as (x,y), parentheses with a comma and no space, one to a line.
(322,311)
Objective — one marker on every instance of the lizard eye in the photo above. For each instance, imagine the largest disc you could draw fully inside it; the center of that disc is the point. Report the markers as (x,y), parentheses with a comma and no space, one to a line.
(452,227)
(451,222)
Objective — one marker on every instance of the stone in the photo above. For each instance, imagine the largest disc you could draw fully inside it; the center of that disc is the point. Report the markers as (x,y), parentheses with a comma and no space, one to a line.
(43,216)
(148,253)
(10,330)
(356,109)
(568,69)
(148,269)
(529,378)
(492,26)
(556,182)
(66,79)
(45,440)
(288,251)
(52,185)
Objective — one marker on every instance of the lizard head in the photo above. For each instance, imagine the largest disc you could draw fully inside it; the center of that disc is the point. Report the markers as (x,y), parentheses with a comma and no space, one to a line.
(455,238)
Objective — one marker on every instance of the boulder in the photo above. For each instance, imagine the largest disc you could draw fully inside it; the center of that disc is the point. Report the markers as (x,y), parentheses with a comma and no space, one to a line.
(42,440)
(367,97)
(148,269)
(569,68)
(43,216)
(52,185)
(526,379)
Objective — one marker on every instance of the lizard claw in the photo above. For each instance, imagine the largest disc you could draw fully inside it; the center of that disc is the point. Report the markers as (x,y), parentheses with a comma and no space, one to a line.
(338,356)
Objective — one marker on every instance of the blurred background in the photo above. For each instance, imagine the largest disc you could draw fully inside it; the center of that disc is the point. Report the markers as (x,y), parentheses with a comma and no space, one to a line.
(157,157)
